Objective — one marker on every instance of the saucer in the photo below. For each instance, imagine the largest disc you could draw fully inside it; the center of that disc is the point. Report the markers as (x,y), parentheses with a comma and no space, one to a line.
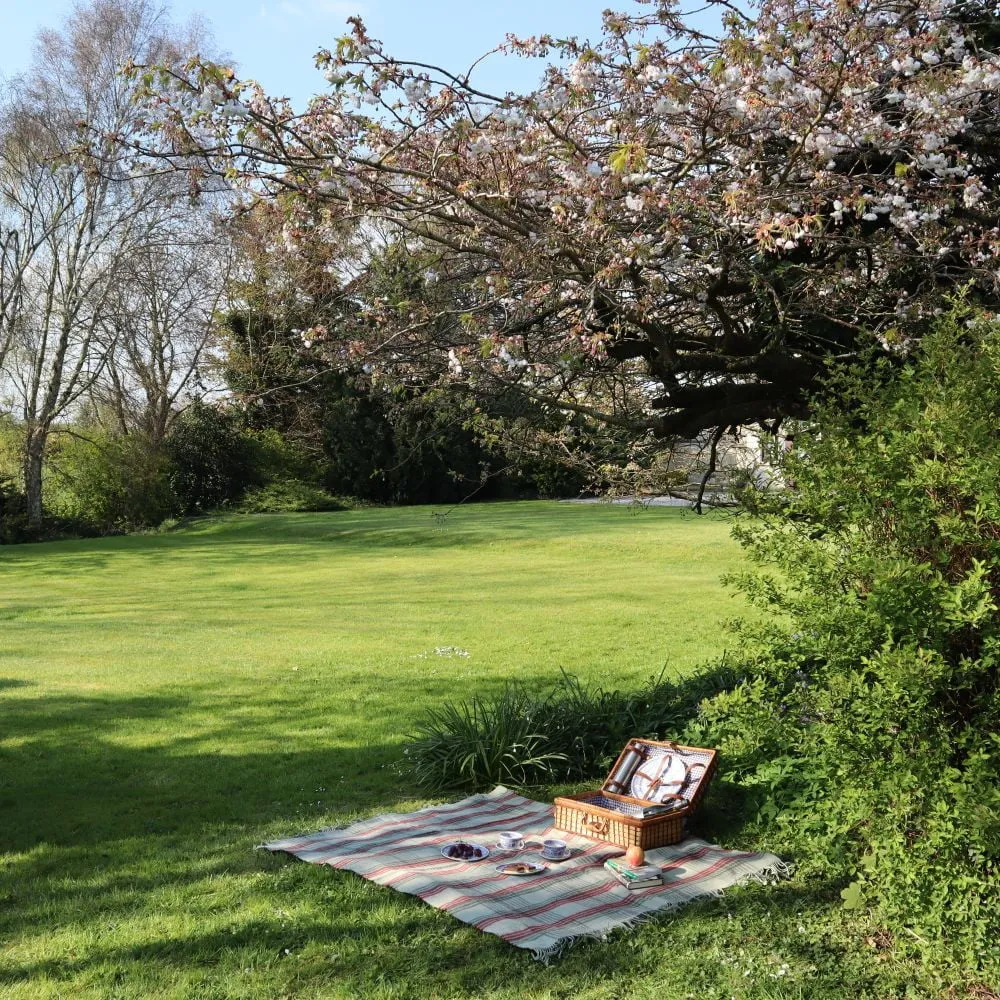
(510,850)
(555,857)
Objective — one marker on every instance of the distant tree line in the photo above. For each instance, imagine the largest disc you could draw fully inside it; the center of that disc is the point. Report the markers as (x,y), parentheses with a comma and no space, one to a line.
(152,362)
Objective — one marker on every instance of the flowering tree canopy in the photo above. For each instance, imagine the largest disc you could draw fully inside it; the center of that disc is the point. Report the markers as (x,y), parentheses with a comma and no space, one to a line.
(675,231)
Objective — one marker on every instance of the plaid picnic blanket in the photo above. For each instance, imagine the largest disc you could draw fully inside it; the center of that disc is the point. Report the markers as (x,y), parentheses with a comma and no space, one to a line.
(543,913)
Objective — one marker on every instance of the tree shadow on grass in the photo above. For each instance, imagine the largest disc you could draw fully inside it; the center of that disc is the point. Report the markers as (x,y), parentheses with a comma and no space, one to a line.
(134,861)
(228,540)
(367,939)
(76,771)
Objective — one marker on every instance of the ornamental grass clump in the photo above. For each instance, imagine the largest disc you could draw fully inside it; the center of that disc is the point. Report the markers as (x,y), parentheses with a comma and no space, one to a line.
(868,725)
(573,732)
(482,743)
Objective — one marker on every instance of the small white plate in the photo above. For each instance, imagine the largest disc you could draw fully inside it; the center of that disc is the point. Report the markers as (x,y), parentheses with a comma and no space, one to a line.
(479,852)
(527,868)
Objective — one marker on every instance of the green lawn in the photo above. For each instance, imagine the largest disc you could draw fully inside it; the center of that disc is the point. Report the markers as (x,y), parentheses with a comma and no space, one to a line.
(169,701)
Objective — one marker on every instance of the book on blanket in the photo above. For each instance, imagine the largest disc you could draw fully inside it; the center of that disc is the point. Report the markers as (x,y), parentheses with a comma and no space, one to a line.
(641,877)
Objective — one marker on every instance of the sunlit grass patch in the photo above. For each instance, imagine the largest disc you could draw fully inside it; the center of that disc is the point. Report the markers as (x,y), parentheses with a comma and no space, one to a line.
(168,702)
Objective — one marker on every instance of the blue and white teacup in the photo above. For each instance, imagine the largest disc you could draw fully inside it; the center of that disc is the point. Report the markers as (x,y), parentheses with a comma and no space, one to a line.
(554,849)
(511,840)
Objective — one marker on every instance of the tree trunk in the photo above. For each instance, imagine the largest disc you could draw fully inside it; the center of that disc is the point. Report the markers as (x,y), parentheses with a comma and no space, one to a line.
(33,456)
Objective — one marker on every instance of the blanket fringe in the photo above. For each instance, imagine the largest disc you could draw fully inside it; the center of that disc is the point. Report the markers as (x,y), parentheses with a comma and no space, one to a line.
(772,873)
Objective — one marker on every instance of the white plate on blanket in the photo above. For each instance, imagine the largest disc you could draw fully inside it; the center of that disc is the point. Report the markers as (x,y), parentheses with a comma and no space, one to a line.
(521,868)
(459,850)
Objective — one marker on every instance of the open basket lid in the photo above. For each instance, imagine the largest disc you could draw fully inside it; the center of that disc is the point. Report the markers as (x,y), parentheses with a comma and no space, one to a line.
(659,772)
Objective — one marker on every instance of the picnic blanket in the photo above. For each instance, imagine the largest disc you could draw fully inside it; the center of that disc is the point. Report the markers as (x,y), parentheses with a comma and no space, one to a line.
(544,913)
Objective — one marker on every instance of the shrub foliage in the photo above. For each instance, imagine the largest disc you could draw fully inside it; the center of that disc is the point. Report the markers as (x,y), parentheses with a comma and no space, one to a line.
(869,724)
(213,461)
(288,496)
(108,482)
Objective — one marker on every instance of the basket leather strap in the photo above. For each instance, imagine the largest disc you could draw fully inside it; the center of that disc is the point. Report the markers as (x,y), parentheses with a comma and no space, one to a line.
(656,783)
(669,795)
(598,825)
(690,777)
(682,784)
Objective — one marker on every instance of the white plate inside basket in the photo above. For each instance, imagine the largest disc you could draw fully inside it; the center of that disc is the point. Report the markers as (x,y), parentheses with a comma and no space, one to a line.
(662,773)
(480,851)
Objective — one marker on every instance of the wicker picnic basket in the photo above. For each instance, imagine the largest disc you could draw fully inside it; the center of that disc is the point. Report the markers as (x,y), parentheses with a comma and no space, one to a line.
(645,800)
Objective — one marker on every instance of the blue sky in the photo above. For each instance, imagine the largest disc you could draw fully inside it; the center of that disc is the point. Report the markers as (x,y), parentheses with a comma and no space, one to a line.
(274,40)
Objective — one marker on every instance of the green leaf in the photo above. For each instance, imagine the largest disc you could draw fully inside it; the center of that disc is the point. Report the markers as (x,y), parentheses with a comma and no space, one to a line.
(852,896)
(631,156)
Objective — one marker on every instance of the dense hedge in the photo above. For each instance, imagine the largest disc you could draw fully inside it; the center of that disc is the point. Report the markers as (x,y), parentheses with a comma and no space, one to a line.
(869,725)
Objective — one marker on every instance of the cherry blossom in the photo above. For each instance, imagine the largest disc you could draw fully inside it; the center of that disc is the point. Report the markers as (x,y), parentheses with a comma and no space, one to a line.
(674,230)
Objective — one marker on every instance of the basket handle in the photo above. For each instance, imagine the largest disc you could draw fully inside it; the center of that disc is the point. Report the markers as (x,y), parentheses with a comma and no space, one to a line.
(598,825)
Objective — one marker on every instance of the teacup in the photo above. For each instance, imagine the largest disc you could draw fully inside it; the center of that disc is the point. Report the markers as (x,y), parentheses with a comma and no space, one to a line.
(554,848)
(511,840)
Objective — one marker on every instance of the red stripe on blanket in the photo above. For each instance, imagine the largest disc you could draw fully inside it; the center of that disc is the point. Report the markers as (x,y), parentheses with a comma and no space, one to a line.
(508,889)
(457,824)
(608,907)
(550,877)
(424,842)
(493,876)
(582,894)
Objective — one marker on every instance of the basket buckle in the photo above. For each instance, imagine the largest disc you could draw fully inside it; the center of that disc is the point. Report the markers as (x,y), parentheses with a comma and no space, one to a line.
(598,825)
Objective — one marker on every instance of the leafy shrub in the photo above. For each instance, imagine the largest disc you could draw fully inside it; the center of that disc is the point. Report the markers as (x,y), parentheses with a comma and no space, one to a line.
(13,505)
(289,496)
(570,734)
(166,525)
(275,457)
(868,728)
(213,458)
(402,447)
(108,482)
(14,525)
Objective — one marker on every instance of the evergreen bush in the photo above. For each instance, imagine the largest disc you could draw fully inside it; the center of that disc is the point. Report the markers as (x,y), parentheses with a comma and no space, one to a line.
(214,461)
(868,727)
